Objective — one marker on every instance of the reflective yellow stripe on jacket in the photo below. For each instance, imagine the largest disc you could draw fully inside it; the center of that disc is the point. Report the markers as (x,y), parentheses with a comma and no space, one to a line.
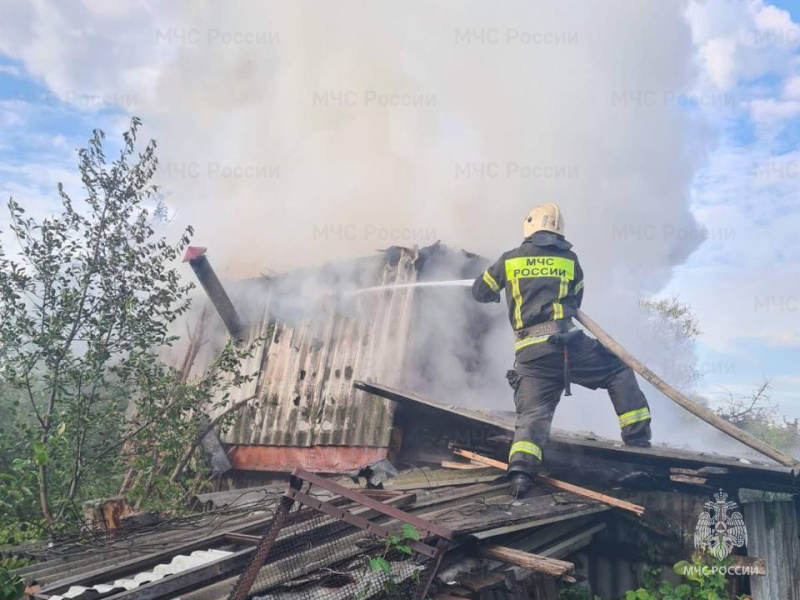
(530,341)
(558,308)
(527,448)
(515,293)
(490,281)
(634,416)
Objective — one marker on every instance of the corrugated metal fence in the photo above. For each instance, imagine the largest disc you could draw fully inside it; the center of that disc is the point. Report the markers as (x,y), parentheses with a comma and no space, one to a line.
(773,535)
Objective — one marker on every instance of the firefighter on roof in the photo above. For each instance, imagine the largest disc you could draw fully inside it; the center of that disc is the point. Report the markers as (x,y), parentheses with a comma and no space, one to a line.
(543,282)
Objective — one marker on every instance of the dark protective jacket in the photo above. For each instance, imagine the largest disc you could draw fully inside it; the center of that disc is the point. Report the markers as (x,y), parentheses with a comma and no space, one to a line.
(543,282)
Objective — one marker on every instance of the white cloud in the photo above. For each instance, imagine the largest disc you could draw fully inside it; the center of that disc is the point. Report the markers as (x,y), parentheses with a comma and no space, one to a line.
(740,41)
(790,380)
(10,70)
(742,283)
(12,113)
(43,177)
(769,111)
(776,23)
(719,57)
(89,54)
(791,89)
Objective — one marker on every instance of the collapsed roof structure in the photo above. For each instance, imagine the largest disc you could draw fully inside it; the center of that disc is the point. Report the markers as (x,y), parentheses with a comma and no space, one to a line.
(327,399)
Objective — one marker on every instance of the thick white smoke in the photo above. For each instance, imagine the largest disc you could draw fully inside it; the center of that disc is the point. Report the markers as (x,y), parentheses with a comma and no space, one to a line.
(508,106)
(295,133)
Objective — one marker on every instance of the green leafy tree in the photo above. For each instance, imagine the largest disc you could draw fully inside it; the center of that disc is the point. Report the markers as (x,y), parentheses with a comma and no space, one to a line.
(89,295)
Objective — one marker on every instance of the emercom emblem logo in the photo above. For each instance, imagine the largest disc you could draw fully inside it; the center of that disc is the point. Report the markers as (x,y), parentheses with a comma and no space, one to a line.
(719,530)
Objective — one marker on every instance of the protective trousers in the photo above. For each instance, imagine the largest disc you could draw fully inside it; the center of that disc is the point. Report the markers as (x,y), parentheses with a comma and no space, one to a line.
(538,385)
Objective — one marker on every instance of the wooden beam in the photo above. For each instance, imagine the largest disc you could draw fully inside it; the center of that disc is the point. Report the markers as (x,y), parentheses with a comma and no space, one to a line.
(562,485)
(670,392)
(688,479)
(451,464)
(481,459)
(558,519)
(527,560)
(758,566)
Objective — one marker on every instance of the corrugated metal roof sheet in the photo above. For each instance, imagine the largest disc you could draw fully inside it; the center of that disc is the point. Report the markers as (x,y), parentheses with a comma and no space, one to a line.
(304,388)
(317,346)
(178,564)
(80,556)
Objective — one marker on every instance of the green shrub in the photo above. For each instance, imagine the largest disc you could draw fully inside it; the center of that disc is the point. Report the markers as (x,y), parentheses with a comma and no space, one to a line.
(12,587)
(700,582)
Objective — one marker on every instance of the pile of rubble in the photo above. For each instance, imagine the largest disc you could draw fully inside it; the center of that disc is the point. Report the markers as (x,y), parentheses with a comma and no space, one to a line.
(487,529)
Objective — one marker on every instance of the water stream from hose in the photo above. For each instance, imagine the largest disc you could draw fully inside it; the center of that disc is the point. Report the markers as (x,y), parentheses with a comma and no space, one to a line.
(418,284)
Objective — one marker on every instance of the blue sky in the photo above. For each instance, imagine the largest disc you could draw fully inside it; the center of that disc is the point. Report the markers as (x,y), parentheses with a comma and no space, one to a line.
(40,132)
(743,282)
(789,6)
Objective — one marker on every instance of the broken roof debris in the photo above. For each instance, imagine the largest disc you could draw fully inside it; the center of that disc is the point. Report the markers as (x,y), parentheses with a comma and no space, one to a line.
(493,534)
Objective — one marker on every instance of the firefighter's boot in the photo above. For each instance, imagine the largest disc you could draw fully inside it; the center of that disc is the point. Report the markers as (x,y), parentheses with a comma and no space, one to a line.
(521,485)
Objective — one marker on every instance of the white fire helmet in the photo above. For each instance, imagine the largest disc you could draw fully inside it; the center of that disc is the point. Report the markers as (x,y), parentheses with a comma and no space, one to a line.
(546,217)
